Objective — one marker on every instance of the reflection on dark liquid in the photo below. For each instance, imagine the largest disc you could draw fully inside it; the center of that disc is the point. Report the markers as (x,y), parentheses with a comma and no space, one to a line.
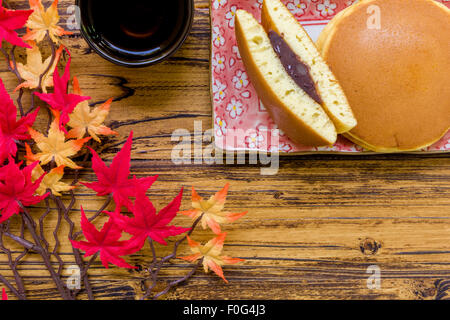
(137,25)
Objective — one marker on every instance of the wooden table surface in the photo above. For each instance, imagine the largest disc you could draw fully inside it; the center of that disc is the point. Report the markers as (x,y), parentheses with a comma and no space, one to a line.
(312,230)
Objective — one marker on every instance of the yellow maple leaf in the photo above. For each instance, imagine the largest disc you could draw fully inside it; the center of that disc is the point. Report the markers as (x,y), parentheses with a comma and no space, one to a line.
(35,67)
(42,21)
(210,253)
(83,120)
(210,210)
(54,147)
(51,180)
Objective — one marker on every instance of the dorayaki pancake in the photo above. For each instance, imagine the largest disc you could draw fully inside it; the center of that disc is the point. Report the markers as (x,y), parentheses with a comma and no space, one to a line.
(392,58)
(293,109)
(276,17)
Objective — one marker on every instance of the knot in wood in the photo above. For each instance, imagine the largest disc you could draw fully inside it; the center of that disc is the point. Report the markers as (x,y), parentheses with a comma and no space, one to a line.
(369,246)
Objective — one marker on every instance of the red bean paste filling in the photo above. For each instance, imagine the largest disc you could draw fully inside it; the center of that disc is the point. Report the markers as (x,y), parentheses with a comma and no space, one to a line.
(297,70)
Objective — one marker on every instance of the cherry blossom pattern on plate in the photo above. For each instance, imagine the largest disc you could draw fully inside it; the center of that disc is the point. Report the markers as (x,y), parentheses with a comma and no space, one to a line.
(240,80)
(217,37)
(236,57)
(285,147)
(220,126)
(232,62)
(219,3)
(235,50)
(235,108)
(274,129)
(218,63)
(231,15)
(219,89)
(441,145)
(297,7)
(246,94)
(258,4)
(282,147)
(326,8)
(254,140)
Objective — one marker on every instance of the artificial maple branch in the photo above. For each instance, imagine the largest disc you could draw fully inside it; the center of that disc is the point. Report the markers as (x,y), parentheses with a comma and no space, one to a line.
(11,287)
(32,184)
(96,214)
(52,60)
(12,66)
(41,76)
(174,283)
(40,245)
(41,223)
(55,236)
(156,266)
(77,254)
(84,276)
(14,266)
(78,258)
(20,291)
(29,222)
(20,240)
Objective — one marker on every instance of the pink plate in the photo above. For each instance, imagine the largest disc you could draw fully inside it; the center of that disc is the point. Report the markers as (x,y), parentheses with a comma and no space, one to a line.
(240,120)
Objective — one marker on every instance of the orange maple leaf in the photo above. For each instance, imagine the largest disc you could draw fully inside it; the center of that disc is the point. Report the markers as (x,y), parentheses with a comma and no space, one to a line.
(210,210)
(35,67)
(42,21)
(210,253)
(51,180)
(83,120)
(54,147)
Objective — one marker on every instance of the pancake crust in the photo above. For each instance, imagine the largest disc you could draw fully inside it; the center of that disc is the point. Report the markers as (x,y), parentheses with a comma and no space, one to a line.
(397,78)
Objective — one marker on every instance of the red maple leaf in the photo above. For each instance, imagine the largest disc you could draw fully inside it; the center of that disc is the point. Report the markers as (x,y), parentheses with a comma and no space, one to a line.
(16,187)
(11,20)
(106,241)
(10,129)
(114,179)
(145,223)
(4,295)
(61,100)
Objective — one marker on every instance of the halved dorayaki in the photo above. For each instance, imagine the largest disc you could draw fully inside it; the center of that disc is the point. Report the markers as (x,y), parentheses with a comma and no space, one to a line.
(296,113)
(278,21)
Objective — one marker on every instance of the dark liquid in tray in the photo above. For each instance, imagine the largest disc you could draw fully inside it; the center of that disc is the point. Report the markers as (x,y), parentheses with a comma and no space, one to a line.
(145,26)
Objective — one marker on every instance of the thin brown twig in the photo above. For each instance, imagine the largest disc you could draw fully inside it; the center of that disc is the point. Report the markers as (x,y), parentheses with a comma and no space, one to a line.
(31,226)
(152,247)
(10,287)
(19,78)
(41,224)
(76,252)
(156,266)
(55,236)
(89,263)
(84,275)
(52,60)
(42,75)
(17,276)
(12,66)
(99,212)
(13,266)
(174,283)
